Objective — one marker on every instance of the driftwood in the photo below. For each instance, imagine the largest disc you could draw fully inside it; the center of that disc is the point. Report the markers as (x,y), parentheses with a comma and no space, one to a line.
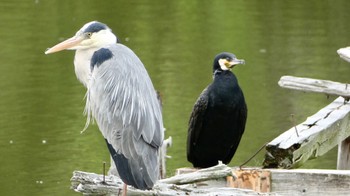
(314,85)
(310,182)
(343,161)
(344,53)
(312,138)
(183,184)
(248,181)
(163,155)
(218,171)
(293,182)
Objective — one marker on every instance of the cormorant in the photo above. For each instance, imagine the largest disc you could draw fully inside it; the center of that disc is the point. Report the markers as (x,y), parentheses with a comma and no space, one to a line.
(218,117)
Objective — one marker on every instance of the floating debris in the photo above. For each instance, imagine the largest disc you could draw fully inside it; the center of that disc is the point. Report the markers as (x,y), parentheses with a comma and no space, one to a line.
(39,182)
(262,50)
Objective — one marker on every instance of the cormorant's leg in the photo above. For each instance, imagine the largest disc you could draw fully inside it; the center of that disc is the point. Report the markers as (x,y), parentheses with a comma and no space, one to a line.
(125,189)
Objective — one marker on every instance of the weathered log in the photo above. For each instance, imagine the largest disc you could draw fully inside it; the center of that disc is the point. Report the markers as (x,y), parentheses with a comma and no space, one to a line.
(215,172)
(163,156)
(256,179)
(310,182)
(343,161)
(294,182)
(313,85)
(316,136)
(93,184)
(264,181)
(344,53)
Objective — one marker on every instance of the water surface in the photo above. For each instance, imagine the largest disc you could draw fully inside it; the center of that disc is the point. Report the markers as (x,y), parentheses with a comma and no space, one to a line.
(41,102)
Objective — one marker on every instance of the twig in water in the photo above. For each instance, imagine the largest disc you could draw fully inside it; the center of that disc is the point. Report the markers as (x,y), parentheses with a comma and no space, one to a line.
(295,127)
(240,167)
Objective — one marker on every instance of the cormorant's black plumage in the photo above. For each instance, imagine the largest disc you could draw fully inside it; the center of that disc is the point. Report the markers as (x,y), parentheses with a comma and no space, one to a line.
(218,119)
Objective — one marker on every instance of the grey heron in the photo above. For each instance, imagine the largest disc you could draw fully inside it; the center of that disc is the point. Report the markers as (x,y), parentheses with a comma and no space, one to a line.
(121,98)
(218,118)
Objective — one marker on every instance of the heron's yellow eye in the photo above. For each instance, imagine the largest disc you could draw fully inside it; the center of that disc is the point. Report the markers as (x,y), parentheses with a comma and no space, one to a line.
(88,34)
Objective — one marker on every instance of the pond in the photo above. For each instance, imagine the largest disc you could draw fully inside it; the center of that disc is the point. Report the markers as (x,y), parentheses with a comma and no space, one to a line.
(42,103)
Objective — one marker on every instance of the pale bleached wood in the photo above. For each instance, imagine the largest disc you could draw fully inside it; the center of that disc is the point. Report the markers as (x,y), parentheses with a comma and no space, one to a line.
(317,135)
(344,53)
(163,155)
(300,181)
(283,182)
(343,161)
(314,85)
(92,184)
(310,182)
(215,172)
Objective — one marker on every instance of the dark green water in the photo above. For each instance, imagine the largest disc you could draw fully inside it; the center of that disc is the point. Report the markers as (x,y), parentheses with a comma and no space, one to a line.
(41,102)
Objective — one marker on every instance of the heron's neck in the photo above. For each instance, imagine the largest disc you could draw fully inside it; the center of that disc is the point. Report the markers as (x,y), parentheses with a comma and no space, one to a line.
(82,65)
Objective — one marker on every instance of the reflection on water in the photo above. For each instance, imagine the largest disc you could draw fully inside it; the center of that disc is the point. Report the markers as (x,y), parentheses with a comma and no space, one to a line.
(41,101)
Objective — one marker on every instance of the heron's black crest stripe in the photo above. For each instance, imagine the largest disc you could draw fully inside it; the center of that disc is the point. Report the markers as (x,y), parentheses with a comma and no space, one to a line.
(124,169)
(95,27)
(99,57)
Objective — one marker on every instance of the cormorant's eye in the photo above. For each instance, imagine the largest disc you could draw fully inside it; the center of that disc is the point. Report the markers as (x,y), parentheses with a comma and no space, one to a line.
(228,58)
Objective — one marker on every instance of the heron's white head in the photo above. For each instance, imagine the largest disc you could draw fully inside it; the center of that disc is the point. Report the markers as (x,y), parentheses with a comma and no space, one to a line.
(92,35)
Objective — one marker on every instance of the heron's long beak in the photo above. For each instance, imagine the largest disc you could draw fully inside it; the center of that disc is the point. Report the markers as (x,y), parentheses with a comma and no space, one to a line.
(67,44)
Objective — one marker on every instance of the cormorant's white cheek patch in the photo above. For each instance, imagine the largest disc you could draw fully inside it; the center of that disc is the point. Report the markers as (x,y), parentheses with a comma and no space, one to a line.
(223,64)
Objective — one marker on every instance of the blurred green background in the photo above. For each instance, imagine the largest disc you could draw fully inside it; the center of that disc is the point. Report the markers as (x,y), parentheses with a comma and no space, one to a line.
(41,101)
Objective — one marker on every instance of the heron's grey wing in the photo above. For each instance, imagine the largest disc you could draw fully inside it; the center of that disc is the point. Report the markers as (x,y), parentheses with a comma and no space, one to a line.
(122,99)
(196,122)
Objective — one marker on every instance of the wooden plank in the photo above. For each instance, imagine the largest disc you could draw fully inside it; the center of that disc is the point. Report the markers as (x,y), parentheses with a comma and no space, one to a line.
(310,182)
(215,172)
(163,155)
(255,179)
(316,136)
(343,161)
(183,184)
(263,181)
(344,53)
(294,182)
(314,85)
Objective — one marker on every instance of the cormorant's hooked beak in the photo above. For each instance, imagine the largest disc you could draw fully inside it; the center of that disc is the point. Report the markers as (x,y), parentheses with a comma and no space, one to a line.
(237,61)
(67,44)
(233,62)
(229,63)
